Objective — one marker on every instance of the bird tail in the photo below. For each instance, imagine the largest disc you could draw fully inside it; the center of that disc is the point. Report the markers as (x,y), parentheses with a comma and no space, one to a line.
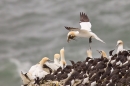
(22,75)
(24,78)
(96,37)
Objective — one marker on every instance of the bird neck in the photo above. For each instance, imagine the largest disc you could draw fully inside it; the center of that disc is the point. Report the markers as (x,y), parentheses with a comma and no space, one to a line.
(120,48)
(62,63)
(56,61)
(62,57)
(89,53)
(41,62)
(104,55)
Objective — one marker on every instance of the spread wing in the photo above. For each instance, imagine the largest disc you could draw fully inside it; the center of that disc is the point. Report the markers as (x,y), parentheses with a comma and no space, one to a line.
(72,29)
(83,17)
(84,22)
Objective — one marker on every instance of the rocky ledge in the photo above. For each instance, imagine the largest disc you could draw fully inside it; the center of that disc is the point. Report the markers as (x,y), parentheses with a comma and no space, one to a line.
(112,70)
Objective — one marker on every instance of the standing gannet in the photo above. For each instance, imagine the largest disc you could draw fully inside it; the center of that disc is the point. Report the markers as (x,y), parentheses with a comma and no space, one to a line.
(103,54)
(57,59)
(38,70)
(84,31)
(89,56)
(120,46)
(89,53)
(62,61)
(54,65)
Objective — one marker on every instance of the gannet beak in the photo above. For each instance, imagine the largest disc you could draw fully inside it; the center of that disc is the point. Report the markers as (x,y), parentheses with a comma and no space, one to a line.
(50,60)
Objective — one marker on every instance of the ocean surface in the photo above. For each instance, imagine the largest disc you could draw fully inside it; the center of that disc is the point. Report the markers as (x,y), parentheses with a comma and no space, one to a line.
(33,29)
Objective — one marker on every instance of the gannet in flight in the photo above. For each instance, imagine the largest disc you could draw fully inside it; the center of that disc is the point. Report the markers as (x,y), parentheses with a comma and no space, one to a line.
(84,31)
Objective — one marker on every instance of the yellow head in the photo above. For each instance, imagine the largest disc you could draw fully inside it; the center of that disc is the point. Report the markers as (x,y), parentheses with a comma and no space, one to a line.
(57,56)
(62,51)
(119,42)
(44,60)
(103,53)
(71,35)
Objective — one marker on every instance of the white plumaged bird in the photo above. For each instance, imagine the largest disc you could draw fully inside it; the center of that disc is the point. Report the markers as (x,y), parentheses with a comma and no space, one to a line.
(89,53)
(54,65)
(84,31)
(62,61)
(38,70)
(120,46)
(57,59)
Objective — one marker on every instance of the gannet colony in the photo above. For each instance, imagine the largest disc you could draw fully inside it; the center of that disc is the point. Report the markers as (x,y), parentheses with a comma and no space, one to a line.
(112,70)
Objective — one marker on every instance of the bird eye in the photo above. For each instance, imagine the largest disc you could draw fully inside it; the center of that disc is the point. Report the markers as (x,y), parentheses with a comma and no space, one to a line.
(119,43)
(70,36)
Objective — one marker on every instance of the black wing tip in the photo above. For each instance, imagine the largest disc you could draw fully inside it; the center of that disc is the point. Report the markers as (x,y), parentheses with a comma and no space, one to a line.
(83,17)
(82,13)
(67,27)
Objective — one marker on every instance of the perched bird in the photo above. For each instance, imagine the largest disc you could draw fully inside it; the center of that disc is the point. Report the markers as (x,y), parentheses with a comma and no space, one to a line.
(38,70)
(89,53)
(84,31)
(103,54)
(104,71)
(62,61)
(120,46)
(54,65)
(57,59)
